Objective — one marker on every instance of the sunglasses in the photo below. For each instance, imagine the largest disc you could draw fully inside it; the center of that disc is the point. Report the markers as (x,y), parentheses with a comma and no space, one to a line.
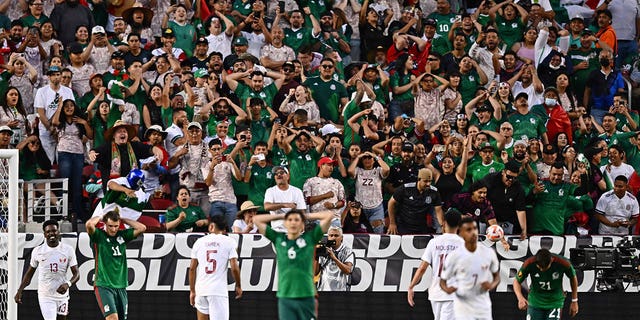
(327,66)
(280,173)
(510,177)
(432,59)
(287,70)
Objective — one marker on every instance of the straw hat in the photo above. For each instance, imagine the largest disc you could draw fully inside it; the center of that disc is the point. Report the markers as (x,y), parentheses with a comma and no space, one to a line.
(127,15)
(108,135)
(246,206)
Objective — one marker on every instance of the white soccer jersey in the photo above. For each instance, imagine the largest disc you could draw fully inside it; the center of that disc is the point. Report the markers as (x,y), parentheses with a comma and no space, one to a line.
(614,208)
(52,265)
(469,270)
(436,253)
(213,252)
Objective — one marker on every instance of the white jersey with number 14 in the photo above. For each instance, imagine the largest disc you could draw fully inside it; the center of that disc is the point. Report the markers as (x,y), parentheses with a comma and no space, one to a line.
(213,253)
(436,254)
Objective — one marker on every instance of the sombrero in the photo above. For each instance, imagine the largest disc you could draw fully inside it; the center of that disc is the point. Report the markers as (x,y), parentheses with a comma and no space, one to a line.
(108,135)
(127,15)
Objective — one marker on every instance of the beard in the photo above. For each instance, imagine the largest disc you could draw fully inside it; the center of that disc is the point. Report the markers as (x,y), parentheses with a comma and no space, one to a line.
(519,156)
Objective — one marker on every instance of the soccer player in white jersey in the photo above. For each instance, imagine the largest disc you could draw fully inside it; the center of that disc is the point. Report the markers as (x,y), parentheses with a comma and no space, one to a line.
(436,253)
(474,270)
(52,259)
(210,257)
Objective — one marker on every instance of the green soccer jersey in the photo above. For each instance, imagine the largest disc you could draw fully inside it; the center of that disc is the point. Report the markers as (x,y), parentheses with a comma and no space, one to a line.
(302,166)
(440,45)
(443,22)
(526,126)
(469,83)
(295,262)
(267,93)
(185,35)
(327,95)
(297,39)
(492,125)
(478,170)
(279,158)
(556,204)
(398,80)
(192,213)
(110,254)
(510,31)
(261,180)
(350,137)
(545,291)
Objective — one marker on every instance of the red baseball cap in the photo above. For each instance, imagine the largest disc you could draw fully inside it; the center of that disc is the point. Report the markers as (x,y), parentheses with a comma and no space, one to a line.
(325,160)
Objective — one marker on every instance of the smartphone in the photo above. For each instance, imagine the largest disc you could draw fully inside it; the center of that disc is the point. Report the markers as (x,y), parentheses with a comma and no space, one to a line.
(281,6)
(173,2)
(260,157)
(458,18)
(243,137)
(439,148)
(223,157)
(175,81)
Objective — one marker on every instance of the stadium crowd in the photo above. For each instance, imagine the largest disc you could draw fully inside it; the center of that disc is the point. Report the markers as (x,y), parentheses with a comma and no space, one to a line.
(385,112)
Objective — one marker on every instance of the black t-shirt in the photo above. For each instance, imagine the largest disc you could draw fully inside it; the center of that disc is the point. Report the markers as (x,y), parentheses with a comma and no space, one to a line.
(143,57)
(505,201)
(197,63)
(448,185)
(414,206)
(401,174)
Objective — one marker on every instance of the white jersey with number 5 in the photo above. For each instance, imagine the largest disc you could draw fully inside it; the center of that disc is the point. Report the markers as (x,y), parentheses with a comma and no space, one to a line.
(213,253)
(52,265)
(469,270)
(436,253)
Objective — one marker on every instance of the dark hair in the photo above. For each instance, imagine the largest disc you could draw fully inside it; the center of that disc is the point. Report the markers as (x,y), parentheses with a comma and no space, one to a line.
(476,186)
(328,59)
(182,186)
(256,102)
(453,217)
(19,105)
(557,165)
(215,141)
(543,257)
(298,212)
(215,53)
(113,215)
(256,73)
(260,144)
(77,112)
(465,220)
(220,221)
(400,62)
(621,178)
(38,158)
(618,148)
(50,223)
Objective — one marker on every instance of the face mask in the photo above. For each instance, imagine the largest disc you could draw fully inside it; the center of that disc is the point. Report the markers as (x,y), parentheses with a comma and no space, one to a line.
(604,62)
(550,101)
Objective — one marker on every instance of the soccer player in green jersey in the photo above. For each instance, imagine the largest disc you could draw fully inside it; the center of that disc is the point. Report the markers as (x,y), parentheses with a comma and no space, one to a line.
(294,254)
(110,252)
(546,296)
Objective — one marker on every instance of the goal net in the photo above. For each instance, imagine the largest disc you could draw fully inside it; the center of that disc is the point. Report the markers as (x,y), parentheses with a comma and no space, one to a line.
(9,275)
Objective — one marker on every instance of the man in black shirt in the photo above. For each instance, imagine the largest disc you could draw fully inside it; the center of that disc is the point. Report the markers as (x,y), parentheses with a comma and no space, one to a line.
(508,199)
(403,172)
(415,203)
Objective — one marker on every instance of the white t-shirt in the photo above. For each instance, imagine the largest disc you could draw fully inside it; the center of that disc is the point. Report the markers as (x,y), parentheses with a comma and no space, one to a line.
(220,43)
(469,270)
(534,97)
(240,223)
(213,253)
(173,133)
(614,209)
(53,263)
(46,99)
(275,195)
(623,170)
(436,254)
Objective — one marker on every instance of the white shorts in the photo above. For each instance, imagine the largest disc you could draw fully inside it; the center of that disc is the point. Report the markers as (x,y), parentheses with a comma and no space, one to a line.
(51,308)
(217,307)
(442,310)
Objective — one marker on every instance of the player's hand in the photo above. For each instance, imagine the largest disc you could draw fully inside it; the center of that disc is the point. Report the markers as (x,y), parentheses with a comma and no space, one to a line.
(393,229)
(130,193)
(182,215)
(410,297)
(18,297)
(238,292)
(63,288)
(574,308)
(192,299)
(523,304)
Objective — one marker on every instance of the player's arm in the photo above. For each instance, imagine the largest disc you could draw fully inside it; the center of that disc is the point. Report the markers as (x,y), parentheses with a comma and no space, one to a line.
(488,286)
(446,288)
(262,220)
(517,289)
(91,224)
(138,227)
(25,282)
(235,271)
(75,276)
(192,281)
(574,296)
(416,278)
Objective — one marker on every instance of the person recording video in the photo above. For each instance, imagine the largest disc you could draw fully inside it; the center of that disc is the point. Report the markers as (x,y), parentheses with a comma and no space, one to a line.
(334,262)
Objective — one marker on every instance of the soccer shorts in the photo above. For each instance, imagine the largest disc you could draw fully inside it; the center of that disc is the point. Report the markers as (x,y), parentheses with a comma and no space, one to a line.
(51,308)
(217,307)
(442,310)
(534,313)
(111,300)
(297,308)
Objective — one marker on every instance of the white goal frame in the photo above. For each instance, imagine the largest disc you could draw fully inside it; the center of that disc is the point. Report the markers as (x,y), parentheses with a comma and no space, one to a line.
(12,231)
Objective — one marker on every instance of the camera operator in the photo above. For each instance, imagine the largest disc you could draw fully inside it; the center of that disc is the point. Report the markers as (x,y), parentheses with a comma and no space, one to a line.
(335,263)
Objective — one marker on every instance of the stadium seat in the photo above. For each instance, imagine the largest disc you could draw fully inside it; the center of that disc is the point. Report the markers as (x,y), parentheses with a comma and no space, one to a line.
(152,224)
(160,204)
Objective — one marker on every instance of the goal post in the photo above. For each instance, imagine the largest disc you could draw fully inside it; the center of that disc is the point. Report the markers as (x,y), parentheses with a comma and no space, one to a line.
(9,191)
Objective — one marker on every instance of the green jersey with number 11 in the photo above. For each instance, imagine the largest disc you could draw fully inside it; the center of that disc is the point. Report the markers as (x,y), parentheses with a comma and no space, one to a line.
(111,258)
(545,291)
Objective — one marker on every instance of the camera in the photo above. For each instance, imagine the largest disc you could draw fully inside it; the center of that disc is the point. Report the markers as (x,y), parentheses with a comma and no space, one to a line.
(614,265)
(243,137)
(322,247)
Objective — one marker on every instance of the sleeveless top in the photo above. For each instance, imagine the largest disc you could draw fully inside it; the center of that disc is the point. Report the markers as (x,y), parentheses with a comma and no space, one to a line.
(526,52)
(448,185)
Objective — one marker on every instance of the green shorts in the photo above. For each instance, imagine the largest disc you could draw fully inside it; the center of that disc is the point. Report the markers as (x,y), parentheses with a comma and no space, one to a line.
(111,300)
(297,308)
(534,313)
